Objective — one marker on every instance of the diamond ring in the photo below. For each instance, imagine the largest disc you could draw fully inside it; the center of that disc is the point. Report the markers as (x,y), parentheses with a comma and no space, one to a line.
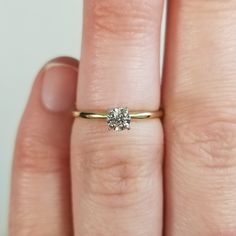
(118,118)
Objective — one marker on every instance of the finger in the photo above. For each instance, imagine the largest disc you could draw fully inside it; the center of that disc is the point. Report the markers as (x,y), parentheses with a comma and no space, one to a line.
(200,122)
(117,177)
(40,197)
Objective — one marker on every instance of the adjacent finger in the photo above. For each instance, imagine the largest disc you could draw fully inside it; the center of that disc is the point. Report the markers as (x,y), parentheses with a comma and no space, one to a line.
(200,88)
(40,197)
(117,177)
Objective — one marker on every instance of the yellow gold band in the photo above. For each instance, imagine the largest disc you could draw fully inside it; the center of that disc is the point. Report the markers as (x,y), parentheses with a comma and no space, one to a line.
(133,115)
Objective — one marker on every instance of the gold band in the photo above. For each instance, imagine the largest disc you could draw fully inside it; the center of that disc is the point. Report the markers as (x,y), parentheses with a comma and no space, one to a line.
(133,115)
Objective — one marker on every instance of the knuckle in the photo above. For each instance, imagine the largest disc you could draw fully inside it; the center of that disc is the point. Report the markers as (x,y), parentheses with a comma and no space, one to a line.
(126,18)
(117,170)
(209,6)
(37,153)
(117,173)
(207,139)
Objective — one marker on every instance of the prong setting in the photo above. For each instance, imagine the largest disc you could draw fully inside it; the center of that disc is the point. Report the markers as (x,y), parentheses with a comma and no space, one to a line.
(118,119)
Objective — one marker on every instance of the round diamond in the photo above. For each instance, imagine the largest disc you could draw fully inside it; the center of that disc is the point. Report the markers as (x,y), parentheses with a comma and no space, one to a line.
(118,119)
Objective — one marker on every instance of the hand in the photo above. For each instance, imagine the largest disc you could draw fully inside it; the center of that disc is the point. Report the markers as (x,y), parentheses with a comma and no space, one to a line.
(113,181)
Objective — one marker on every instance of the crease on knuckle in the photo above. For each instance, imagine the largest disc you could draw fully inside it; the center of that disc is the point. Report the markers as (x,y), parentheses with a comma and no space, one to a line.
(36,153)
(126,19)
(116,175)
(208,6)
(207,141)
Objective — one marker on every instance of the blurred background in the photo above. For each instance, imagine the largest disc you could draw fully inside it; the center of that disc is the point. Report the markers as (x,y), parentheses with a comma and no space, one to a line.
(31,32)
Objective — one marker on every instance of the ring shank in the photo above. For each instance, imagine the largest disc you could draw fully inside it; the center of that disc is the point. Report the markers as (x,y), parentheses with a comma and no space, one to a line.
(133,115)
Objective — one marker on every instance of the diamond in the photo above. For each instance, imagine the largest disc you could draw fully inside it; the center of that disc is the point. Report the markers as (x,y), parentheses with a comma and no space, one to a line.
(118,119)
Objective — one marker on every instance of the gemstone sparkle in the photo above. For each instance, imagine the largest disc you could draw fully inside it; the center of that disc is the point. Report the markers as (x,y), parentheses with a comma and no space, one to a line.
(118,119)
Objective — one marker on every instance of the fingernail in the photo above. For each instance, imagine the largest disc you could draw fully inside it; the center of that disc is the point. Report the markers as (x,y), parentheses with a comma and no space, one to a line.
(59,87)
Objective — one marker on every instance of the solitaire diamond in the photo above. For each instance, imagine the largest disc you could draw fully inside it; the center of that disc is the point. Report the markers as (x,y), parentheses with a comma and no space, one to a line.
(118,119)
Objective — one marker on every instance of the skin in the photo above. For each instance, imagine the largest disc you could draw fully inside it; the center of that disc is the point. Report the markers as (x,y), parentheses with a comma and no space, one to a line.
(73,177)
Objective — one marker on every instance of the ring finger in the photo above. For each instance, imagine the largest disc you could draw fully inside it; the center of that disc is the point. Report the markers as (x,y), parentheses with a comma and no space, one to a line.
(117,176)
